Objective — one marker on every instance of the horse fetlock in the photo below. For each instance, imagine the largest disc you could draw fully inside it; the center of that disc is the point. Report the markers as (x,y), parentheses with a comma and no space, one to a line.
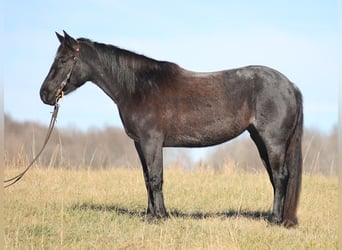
(159,207)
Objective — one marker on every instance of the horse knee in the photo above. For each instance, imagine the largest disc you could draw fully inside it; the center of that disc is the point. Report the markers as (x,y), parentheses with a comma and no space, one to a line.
(156,183)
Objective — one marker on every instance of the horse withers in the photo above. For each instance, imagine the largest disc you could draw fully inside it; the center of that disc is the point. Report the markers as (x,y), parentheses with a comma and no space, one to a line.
(164,105)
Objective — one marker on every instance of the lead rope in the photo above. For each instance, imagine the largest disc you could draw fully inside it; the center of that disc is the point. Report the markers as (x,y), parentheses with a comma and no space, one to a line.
(16,178)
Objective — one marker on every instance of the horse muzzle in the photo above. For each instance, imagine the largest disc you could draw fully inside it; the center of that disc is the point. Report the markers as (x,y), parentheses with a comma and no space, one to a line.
(47,96)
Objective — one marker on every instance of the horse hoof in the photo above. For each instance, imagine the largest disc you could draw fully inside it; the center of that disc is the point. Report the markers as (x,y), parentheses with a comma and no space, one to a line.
(275,220)
(155,216)
(290,223)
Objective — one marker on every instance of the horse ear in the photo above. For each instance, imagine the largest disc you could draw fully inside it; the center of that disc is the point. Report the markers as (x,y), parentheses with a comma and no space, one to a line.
(60,38)
(70,42)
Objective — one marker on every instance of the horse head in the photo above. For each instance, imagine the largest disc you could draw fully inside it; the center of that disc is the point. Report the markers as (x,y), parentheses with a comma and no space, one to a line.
(67,72)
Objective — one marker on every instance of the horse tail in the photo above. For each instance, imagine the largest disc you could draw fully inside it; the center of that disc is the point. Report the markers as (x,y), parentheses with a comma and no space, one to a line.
(294,164)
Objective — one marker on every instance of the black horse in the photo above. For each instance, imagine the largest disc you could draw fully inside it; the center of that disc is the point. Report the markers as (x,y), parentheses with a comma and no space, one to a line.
(164,105)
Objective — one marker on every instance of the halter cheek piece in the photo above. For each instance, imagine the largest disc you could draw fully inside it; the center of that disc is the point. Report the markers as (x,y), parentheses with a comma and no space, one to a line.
(60,93)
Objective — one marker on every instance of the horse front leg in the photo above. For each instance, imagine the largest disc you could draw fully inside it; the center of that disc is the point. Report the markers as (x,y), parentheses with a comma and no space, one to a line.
(151,157)
(150,209)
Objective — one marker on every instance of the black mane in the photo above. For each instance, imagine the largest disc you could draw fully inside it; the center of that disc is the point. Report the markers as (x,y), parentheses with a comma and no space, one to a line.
(134,72)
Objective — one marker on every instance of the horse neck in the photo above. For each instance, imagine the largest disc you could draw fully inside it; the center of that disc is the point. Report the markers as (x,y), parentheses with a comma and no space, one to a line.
(119,72)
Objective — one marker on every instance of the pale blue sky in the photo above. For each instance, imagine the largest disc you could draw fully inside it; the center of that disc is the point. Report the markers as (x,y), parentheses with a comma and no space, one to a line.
(298,38)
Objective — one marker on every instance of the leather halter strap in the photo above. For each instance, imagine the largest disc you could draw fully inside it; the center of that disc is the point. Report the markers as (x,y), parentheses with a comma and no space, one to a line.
(59,93)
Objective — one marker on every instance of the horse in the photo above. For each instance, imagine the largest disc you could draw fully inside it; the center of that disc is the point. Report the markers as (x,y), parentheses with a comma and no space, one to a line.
(164,105)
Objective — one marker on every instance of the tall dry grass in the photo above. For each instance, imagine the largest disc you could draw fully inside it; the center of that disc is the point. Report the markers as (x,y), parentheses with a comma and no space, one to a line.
(104,209)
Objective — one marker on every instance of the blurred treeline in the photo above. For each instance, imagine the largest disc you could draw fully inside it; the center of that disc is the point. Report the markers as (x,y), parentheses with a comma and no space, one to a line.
(110,147)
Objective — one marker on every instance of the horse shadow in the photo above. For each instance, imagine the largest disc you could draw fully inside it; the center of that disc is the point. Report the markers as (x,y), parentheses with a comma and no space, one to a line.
(174,213)
(254,215)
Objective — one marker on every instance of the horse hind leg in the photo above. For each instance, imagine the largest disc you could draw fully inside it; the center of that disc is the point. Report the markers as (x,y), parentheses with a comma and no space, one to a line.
(280,177)
(286,164)
(273,157)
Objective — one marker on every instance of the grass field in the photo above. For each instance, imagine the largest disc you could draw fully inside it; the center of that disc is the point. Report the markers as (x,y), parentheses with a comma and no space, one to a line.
(103,209)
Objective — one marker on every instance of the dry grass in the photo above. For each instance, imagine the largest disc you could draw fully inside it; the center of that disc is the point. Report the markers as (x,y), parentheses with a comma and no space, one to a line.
(103,209)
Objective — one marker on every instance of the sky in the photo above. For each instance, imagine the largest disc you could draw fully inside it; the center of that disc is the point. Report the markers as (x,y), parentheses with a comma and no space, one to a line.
(297,38)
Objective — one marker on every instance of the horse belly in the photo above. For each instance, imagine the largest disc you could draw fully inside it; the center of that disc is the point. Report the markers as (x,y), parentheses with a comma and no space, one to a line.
(197,139)
(190,131)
